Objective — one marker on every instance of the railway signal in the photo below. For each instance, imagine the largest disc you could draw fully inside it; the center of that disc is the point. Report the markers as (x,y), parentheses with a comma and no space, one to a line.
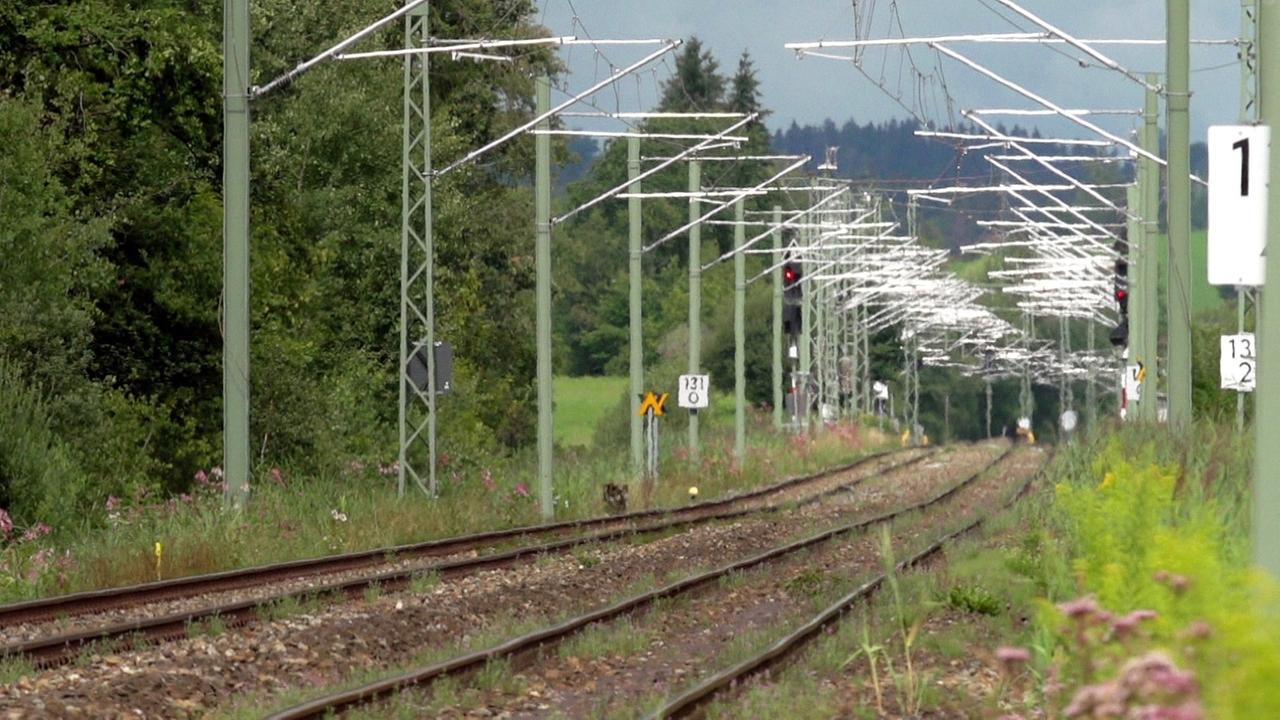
(792,298)
(1120,334)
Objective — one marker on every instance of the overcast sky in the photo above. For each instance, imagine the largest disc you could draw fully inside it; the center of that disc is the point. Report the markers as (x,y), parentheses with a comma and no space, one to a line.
(813,89)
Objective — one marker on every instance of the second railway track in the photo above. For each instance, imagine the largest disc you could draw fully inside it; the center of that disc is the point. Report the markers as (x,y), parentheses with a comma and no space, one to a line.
(532,643)
(53,649)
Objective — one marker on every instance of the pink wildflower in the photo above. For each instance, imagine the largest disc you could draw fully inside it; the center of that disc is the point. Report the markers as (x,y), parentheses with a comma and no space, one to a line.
(1126,625)
(113,503)
(522,490)
(486,479)
(36,531)
(202,477)
(6,522)
(1079,608)
(1013,655)
(277,476)
(1198,630)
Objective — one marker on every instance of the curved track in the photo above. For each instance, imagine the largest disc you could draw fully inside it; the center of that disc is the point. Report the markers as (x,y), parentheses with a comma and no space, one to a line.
(61,648)
(533,642)
(691,702)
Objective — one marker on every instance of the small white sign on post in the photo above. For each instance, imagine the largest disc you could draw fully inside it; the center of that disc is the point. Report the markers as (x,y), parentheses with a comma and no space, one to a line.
(1239,171)
(694,391)
(1238,362)
(1133,383)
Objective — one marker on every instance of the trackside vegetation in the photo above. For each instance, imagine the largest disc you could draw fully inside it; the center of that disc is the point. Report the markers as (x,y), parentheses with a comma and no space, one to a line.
(143,537)
(1120,588)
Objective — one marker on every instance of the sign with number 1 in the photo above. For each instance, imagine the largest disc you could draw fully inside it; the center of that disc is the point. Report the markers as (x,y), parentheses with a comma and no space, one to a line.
(1239,171)
(1238,363)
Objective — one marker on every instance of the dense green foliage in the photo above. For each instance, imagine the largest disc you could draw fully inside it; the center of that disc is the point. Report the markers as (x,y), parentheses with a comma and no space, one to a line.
(1156,522)
(110,229)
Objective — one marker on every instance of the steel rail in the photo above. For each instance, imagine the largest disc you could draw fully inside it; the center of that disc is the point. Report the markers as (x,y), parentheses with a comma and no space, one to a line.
(94,601)
(53,650)
(532,642)
(692,701)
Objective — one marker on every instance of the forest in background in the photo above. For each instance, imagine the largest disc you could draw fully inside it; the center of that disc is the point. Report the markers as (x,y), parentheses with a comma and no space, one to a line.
(110,230)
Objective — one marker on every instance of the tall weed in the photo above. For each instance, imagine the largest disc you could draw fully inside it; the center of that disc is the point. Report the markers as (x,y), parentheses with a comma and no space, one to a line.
(1149,534)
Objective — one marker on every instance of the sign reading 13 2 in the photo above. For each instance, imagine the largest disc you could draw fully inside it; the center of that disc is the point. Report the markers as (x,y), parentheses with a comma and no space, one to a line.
(1238,363)
(694,391)
(1239,171)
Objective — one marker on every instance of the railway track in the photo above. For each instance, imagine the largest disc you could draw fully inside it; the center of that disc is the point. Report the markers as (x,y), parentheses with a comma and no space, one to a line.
(54,649)
(693,701)
(528,645)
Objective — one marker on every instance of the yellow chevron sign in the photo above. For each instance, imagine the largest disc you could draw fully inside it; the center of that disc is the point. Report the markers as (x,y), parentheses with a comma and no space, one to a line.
(656,403)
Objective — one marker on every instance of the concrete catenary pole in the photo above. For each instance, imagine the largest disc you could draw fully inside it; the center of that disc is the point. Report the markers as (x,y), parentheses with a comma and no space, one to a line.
(1179,211)
(1148,270)
(740,335)
(542,260)
(1248,114)
(1266,497)
(695,296)
(235,248)
(777,316)
(634,210)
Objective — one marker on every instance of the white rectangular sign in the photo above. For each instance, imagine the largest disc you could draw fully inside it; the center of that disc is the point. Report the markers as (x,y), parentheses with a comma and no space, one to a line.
(1239,363)
(694,391)
(1132,385)
(1239,171)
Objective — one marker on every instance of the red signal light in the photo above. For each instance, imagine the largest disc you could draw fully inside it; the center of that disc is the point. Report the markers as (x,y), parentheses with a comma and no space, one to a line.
(1122,294)
(789,275)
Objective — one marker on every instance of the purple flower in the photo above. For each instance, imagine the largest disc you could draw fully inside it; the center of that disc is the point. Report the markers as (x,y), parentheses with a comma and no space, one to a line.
(1126,625)
(1012,658)
(1013,655)
(1081,607)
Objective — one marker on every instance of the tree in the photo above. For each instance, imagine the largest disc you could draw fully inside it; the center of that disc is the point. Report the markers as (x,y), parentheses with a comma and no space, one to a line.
(697,85)
(744,92)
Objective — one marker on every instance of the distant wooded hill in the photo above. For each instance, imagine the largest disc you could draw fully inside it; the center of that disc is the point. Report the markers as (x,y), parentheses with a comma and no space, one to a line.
(889,155)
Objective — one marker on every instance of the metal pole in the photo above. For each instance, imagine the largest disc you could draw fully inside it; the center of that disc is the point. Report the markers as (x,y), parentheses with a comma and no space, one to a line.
(1090,385)
(542,203)
(866,359)
(1241,300)
(946,418)
(1266,493)
(740,336)
(695,297)
(806,339)
(1179,212)
(988,384)
(417,411)
(235,249)
(1248,114)
(777,317)
(1138,295)
(1149,257)
(637,349)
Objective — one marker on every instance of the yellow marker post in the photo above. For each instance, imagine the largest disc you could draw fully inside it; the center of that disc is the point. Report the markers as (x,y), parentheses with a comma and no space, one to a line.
(656,403)
(159,555)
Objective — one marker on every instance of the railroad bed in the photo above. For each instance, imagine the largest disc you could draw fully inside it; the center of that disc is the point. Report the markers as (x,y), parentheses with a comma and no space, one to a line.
(799,496)
(711,602)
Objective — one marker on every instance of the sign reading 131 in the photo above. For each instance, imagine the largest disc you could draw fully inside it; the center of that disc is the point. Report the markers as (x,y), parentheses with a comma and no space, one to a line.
(1238,363)
(694,390)
(1239,171)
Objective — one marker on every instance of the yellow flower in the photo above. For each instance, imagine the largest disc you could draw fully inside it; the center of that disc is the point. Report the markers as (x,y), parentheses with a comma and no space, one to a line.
(1107,481)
